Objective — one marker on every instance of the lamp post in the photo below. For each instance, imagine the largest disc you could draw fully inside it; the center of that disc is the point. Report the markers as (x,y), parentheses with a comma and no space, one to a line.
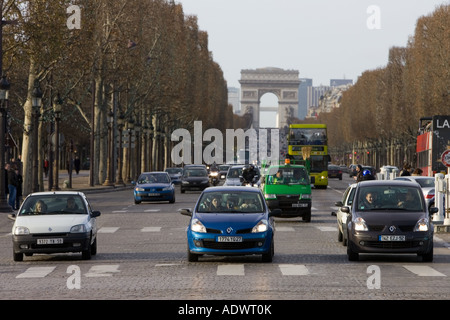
(120,123)
(57,108)
(130,136)
(36,100)
(4,92)
(109,161)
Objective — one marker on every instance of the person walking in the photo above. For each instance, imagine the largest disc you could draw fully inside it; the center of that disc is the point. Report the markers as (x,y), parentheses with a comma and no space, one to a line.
(18,189)
(12,186)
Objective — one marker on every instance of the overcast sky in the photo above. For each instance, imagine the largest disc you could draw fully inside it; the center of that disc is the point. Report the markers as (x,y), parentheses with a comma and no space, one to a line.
(322,39)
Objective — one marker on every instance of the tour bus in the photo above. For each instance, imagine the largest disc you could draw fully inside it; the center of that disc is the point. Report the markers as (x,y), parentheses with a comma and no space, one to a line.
(309,141)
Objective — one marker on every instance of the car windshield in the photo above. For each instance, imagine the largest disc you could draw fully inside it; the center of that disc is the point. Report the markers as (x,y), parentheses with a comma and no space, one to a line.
(234,173)
(174,170)
(153,178)
(52,204)
(400,198)
(195,173)
(287,175)
(426,183)
(230,202)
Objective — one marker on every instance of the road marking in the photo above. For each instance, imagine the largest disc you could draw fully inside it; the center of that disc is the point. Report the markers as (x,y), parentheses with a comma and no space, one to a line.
(108,230)
(424,271)
(283,229)
(105,270)
(293,269)
(327,229)
(120,211)
(36,272)
(439,240)
(152,210)
(151,229)
(231,270)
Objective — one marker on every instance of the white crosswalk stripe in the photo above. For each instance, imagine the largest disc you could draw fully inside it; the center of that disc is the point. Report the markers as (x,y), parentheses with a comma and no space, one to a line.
(231,270)
(105,270)
(36,272)
(293,269)
(424,271)
(108,229)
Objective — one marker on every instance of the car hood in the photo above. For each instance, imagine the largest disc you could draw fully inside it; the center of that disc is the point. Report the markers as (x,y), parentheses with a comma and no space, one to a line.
(233,220)
(50,223)
(153,185)
(392,218)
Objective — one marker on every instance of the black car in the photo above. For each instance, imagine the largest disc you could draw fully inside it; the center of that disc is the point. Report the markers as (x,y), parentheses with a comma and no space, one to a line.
(389,216)
(194,178)
(334,172)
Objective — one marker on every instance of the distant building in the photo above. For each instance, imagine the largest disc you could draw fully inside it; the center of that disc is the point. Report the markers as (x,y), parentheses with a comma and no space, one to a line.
(340,82)
(303,97)
(234,99)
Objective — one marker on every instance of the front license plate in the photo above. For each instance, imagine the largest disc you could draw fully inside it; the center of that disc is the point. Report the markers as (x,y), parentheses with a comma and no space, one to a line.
(153,194)
(392,238)
(229,239)
(50,241)
(299,205)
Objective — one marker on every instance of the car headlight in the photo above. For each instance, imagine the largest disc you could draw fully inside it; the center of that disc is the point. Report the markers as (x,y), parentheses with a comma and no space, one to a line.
(79,228)
(360,224)
(262,226)
(421,225)
(184,182)
(139,189)
(197,226)
(18,231)
(214,173)
(306,196)
(270,196)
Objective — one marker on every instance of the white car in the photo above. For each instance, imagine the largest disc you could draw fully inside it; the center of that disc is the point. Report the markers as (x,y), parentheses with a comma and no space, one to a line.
(342,217)
(55,222)
(427,185)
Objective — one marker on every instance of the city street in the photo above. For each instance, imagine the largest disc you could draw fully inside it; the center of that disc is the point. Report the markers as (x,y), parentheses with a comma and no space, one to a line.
(142,255)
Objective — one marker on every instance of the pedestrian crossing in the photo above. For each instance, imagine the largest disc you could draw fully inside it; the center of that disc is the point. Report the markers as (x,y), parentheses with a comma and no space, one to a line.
(161,229)
(235,269)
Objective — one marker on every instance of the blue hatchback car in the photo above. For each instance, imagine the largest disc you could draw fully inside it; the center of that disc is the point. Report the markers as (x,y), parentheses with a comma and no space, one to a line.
(154,186)
(231,221)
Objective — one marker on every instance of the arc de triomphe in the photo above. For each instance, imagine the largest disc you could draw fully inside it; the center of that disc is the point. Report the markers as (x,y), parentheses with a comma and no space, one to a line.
(282,83)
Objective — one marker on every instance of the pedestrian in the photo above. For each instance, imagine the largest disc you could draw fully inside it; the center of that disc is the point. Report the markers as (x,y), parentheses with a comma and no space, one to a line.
(405,171)
(77,164)
(46,167)
(359,173)
(417,172)
(19,189)
(12,186)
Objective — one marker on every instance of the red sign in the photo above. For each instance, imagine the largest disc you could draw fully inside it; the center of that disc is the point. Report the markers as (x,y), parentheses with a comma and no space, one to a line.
(445,158)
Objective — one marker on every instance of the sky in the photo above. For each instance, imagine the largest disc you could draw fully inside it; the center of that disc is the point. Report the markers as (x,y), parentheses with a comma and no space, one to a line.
(322,39)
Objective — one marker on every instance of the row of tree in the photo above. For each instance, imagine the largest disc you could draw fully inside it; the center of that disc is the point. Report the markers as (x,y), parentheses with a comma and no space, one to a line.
(145,60)
(381,111)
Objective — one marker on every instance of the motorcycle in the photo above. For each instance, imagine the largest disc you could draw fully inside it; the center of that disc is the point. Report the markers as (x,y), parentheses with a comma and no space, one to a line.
(214,178)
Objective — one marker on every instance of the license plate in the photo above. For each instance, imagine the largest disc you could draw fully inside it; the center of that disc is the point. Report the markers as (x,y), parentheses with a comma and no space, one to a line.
(299,205)
(229,239)
(392,238)
(50,241)
(153,194)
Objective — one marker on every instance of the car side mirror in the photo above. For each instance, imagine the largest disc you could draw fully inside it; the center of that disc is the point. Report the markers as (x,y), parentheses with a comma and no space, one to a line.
(345,209)
(433,210)
(185,212)
(95,214)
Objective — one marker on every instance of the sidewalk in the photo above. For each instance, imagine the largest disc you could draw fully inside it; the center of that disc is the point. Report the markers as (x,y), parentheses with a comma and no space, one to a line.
(81,182)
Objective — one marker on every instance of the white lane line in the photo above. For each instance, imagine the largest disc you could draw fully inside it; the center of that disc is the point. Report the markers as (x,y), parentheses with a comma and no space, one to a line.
(152,210)
(105,270)
(293,270)
(284,229)
(36,272)
(424,271)
(327,229)
(108,230)
(151,229)
(231,270)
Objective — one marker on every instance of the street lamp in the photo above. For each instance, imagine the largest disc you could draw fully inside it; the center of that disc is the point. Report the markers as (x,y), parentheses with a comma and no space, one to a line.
(36,101)
(57,109)
(4,92)
(109,161)
(130,136)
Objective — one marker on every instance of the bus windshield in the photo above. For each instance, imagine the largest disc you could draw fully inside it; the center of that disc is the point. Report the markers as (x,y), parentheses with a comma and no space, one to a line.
(308,136)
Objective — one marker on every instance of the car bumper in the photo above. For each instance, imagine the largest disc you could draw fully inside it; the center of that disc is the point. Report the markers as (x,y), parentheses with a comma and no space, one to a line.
(207,243)
(159,196)
(71,242)
(369,242)
(290,207)
(194,187)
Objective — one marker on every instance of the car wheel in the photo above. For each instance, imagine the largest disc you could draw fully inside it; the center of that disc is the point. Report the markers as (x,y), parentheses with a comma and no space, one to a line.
(173,199)
(136,202)
(352,256)
(192,257)
(428,257)
(307,217)
(340,235)
(94,247)
(18,256)
(182,190)
(87,254)
(268,257)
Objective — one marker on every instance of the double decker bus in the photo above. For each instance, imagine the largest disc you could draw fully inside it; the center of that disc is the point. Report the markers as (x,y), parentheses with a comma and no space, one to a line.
(432,140)
(311,139)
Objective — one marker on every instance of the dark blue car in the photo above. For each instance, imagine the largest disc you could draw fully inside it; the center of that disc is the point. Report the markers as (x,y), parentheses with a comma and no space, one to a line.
(154,186)
(230,221)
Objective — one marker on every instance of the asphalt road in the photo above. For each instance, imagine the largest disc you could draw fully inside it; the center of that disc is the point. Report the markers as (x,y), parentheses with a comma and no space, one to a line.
(142,255)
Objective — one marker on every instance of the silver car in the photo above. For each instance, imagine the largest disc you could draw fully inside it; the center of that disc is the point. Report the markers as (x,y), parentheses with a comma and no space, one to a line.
(342,217)
(427,185)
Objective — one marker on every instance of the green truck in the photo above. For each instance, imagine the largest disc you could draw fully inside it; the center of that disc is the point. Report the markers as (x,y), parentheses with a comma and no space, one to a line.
(288,187)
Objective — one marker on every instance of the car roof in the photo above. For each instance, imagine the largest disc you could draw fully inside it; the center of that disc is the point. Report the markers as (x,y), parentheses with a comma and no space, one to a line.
(62,193)
(231,188)
(405,183)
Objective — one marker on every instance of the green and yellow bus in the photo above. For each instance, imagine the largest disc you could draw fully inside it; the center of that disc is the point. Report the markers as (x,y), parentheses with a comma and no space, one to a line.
(307,143)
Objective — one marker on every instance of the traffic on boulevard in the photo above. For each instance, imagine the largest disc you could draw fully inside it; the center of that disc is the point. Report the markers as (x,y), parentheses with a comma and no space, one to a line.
(146,251)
